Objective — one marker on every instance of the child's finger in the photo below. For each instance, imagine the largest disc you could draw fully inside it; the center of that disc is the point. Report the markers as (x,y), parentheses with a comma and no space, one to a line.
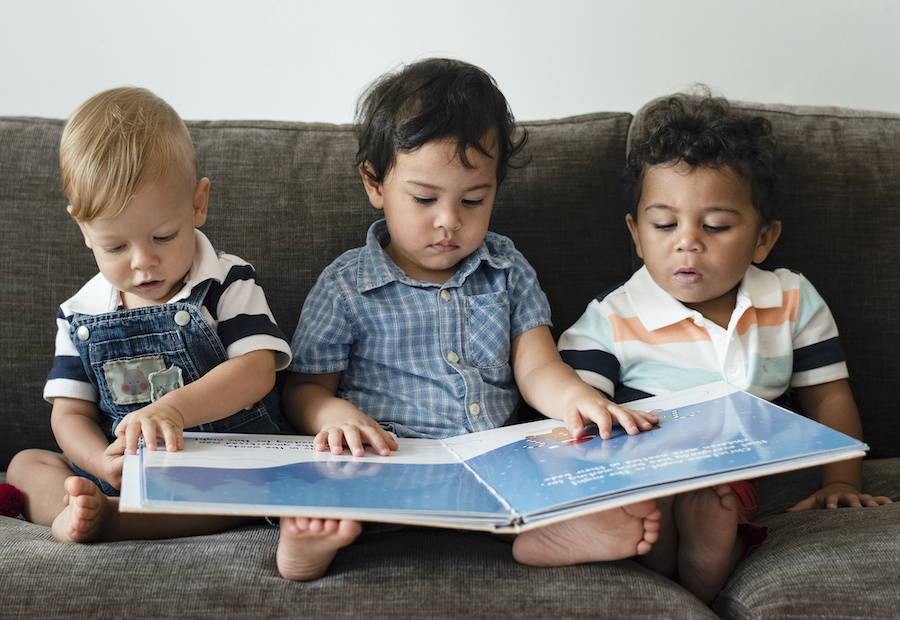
(149,430)
(172,438)
(575,424)
(320,442)
(132,436)
(336,440)
(632,420)
(381,442)
(354,441)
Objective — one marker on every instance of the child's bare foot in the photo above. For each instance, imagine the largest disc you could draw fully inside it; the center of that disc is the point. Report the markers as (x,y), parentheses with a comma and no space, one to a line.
(307,546)
(86,515)
(707,522)
(609,535)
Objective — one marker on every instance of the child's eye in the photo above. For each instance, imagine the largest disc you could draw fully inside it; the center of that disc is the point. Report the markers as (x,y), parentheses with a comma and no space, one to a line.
(165,238)
(664,226)
(473,203)
(715,229)
(114,249)
(423,201)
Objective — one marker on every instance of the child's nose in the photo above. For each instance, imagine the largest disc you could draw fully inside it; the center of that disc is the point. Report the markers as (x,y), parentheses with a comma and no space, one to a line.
(448,218)
(689,239)
(142,258)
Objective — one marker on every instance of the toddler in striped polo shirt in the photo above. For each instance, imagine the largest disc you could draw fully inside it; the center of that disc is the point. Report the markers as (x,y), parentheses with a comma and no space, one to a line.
(703,188)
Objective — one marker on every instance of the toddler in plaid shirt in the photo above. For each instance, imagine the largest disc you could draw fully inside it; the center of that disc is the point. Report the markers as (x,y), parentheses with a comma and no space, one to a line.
(436,326)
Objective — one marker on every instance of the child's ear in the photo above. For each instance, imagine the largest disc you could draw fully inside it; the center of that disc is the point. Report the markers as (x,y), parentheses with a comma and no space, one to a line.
(374,189)
(633,229)
(766,239)
(200,202)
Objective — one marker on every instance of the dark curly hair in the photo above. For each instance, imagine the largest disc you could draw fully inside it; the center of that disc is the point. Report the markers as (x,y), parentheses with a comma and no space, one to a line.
(702,130)
(434,99)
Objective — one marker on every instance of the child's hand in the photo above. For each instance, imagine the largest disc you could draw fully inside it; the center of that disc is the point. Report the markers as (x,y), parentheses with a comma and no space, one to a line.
(839,495)
(587,405)
(154,420)
(354,428)
(111,463)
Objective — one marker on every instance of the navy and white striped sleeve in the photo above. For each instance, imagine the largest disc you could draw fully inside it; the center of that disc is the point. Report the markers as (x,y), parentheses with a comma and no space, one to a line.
(243,319)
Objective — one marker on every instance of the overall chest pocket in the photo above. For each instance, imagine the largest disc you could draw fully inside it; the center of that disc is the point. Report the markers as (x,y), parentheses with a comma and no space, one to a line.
(123,367)
(487,330)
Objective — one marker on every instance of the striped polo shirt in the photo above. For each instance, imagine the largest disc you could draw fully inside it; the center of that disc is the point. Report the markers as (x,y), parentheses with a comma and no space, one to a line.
(235,306)
(637,336)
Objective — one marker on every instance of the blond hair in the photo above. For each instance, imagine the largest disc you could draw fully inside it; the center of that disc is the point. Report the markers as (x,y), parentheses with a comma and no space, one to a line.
(116,141)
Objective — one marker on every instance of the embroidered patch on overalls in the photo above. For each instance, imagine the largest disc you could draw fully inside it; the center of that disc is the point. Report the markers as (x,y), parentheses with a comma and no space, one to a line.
(128,380)
(164,381)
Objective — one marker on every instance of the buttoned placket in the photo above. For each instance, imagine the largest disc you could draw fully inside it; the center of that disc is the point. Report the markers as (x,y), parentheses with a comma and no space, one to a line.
(473,408)
(729,349)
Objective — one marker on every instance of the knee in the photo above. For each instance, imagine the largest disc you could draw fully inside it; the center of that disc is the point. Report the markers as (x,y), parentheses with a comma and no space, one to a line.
(23,465)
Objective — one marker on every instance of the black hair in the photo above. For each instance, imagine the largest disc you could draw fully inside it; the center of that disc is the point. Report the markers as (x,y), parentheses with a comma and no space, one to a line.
(429,100)
(702,130)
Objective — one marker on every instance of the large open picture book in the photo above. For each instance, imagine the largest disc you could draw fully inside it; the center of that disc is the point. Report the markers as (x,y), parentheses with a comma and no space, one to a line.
(504,480)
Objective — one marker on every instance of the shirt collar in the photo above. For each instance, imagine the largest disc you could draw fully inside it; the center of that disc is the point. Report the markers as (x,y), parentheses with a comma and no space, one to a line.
(376,269)
(656,308)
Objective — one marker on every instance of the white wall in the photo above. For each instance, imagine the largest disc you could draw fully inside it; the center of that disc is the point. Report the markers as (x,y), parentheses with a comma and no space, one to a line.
(297,60)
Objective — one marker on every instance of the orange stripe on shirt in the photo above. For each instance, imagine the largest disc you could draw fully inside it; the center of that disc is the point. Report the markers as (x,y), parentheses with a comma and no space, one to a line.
(771,317)
(627,329)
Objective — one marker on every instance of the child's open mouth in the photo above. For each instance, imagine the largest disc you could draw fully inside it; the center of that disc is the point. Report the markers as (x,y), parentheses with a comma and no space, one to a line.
(147,287)
(688,276)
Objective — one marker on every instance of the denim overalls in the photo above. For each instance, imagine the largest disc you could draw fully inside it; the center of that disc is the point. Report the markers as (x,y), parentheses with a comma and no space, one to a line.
(135,356)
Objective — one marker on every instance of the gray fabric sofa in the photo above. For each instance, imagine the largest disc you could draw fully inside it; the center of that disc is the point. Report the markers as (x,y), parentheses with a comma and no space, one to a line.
(286,197)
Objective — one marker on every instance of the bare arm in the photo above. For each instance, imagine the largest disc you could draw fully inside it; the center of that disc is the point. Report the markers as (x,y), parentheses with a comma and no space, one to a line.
(551,386)
(311,403)
(832,404)
(77,431)
(231,386)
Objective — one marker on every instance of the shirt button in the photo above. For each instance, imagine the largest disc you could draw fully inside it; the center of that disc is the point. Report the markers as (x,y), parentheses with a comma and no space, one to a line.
(445,294)
(730,367)
(474,409)
(83,333)
(453,357)
(182,317)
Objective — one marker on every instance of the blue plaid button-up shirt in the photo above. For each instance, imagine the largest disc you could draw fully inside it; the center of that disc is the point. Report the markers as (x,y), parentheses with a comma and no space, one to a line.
(424,360)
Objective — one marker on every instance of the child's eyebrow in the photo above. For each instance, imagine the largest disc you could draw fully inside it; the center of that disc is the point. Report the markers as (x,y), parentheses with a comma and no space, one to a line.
(661,206)
(424,185)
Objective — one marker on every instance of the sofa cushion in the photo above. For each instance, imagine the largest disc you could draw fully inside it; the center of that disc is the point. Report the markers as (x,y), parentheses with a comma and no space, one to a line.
(411,573)
(830,563)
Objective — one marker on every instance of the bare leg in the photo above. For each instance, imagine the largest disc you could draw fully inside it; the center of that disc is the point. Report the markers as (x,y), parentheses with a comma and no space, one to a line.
(40,475)
(307,546)
(709,546)
(609,535)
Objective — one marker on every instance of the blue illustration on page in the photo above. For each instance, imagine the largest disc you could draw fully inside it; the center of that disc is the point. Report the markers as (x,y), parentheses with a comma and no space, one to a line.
(342,484)
(726,433)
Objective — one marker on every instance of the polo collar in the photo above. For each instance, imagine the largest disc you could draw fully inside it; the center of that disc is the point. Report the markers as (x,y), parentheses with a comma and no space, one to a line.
(657,309)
